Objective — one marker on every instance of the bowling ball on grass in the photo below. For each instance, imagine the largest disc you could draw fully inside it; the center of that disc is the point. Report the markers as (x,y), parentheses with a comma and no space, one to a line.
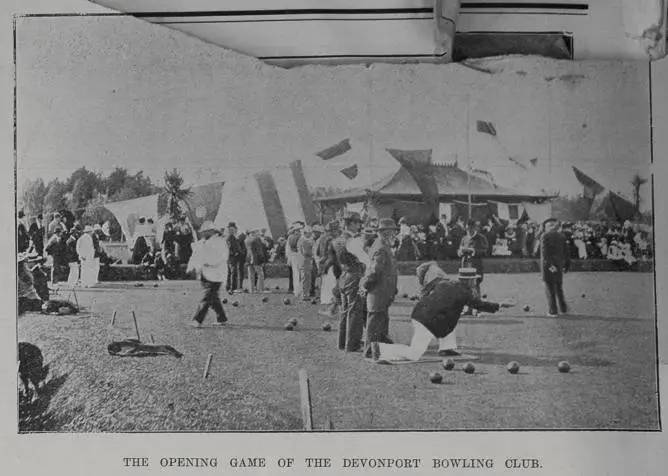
(435,377)
(564,367)
(469,368)
(448,364)
(513,367)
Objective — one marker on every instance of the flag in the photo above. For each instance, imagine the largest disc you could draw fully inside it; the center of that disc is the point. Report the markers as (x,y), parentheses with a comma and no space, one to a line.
(445,17)
(350,172)
(203,203)
(335,150)
(271,202)
(486,128)
(419,166)
(591,186)
(305,199)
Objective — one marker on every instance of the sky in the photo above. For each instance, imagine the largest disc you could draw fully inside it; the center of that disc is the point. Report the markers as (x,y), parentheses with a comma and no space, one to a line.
(103,92)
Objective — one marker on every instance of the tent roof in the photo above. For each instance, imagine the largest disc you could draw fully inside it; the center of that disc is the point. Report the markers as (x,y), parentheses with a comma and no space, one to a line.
(451,180)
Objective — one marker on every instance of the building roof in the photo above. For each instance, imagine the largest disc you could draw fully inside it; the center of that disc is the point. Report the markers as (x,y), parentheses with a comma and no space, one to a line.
(452,182)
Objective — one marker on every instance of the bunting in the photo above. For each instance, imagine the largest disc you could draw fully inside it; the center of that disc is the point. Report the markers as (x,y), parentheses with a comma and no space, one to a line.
(486,128)
(591,187)
(419,166)
(350,172)
(335,150)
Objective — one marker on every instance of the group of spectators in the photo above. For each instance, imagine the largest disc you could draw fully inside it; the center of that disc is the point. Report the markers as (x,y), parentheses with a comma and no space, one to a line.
(585,240)
(67,243)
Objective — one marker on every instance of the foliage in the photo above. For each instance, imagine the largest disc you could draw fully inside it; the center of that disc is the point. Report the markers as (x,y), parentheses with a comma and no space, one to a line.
(55,198)
(33,197)
(571,208)
(175,192)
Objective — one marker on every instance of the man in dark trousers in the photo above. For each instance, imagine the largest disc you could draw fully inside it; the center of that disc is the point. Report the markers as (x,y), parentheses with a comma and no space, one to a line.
(435,316)
(554,262)
(234,256)
(350,255)
(379,284)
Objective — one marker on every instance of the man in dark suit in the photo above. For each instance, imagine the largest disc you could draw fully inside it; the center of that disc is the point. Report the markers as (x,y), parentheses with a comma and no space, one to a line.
(380,284)
(435,316)
(554,262)
(234,246)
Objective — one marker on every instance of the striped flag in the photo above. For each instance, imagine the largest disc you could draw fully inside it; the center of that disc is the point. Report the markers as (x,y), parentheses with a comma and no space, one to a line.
(486,128)
(335,150)
(445,17)
(419,166)
(350,172)
(203,203)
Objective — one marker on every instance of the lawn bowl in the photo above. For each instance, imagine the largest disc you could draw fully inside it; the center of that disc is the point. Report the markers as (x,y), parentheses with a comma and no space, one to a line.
(326,327)
(435,377)
(286,301)
(513,367)
(235,304)
(448,364)
(265,299)
(564,367)
(155,285)
(469,368)
(405,295)
(526,308)
(224,301)
(277,288)
(289,327)
(293,321)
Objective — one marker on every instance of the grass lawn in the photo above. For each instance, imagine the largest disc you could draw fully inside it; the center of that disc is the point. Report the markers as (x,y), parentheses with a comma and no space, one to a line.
(253,383)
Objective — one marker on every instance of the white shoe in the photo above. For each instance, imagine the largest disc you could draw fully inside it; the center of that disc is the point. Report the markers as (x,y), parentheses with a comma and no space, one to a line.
(195,324)
(551,315)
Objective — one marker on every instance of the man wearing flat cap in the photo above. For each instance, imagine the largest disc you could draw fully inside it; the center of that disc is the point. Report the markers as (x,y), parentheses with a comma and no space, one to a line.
(554,262)
(210,262)
(352,260)
(328,268)
(379,284)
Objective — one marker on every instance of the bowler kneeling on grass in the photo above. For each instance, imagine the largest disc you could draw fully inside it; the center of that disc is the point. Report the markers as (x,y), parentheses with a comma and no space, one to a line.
(435,315)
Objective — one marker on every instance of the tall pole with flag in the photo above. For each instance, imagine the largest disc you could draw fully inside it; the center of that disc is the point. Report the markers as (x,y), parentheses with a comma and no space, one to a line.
(468,153)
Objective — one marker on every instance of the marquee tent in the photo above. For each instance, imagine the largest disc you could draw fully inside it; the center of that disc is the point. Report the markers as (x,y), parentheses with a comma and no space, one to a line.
(269,199)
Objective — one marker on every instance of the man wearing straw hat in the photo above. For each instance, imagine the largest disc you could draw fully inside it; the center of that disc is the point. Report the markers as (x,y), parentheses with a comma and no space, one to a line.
(435,316)
(379,284)
(210,261)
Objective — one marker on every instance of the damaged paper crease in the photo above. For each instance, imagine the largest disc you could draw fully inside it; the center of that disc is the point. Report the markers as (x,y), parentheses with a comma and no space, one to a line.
(290,33)
(645,22)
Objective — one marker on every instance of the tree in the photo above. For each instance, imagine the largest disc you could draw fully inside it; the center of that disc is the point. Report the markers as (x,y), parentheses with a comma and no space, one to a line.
(637,182)
(175,193)
(83,186)
(55,196)
(120,185)
(33,197)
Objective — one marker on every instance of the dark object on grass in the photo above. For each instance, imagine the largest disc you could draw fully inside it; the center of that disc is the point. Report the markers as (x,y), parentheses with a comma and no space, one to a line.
(31,369)
(293,321)
(448,364)
(139,285)
(327,327)
(60,307)
(286,301)
(265,299)
(526,308)
(583,295)
(246,290)
(277,288)
(224,301)
(289,327)
(484,296)
(134,348)
(435,377)
(405,295)
(469,368)
(235,303)
(564,367)
(513,367)
(314,301)
(155,285)
(414,298)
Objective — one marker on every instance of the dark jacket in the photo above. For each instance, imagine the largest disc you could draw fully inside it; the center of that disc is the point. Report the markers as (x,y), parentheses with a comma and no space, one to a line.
(553,252)
(441,305)
(380,279)
(479,243)
(255,252)
(346,260)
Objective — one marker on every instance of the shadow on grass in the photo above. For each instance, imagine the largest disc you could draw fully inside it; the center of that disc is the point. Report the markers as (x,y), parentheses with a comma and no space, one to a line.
(532,361)
(35,416)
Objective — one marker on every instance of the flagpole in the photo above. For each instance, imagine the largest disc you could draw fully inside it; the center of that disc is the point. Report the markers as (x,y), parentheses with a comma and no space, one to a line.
(468,152)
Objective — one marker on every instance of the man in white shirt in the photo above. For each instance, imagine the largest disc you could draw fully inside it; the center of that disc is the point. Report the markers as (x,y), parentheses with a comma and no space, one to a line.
(209,261)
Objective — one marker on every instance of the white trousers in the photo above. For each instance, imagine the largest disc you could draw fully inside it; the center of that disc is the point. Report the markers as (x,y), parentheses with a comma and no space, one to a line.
(327,287)
(422,337)
(73,277)
(296,264)
(89,271)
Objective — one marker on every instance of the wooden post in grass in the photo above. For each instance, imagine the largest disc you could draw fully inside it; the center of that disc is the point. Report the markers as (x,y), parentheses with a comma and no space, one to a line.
(134,318)
(152,339)
(207,366)
(305,392)
(113,318)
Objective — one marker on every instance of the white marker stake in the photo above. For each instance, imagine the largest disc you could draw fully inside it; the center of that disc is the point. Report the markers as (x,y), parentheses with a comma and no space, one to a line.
(305,390)
(113,318)
(208,365)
